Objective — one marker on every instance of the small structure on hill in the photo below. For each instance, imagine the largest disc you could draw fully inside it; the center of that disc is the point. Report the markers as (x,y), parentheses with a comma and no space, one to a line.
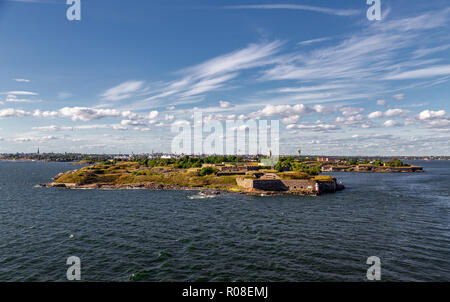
(273,183)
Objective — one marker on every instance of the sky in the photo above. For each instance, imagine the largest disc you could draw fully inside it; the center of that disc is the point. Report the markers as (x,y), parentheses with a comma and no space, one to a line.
(117,80)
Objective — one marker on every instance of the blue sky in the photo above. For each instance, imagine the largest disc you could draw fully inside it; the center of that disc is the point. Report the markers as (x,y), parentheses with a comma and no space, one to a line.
(116,80)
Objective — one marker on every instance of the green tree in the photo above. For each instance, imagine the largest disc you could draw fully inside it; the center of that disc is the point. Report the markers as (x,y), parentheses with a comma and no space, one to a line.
(207,171)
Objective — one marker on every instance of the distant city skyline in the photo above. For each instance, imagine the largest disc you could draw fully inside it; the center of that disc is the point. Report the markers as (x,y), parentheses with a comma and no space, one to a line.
(116,81)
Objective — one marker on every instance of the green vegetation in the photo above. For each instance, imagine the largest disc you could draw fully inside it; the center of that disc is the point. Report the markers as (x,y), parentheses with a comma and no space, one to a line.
(207,171)
(188,172)
(187,162)
(292,164)
(378,163)
(396,163)
(124,173)
(294,175)
(324,178)
(56,157)
(100,173)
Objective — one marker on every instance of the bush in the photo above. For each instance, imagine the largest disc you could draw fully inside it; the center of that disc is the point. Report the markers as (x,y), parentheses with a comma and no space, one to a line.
(207,171)
(294,175)
(299,167)
(324,178)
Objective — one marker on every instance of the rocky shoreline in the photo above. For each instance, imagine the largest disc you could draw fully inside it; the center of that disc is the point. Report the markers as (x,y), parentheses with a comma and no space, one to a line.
(98,186)
(133,176)
(162,187)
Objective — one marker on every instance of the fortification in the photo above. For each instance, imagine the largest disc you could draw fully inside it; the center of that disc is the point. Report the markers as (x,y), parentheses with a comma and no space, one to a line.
(301,186)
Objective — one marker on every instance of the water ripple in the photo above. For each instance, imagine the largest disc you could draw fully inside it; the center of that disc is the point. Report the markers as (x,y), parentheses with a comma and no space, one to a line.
(182,236)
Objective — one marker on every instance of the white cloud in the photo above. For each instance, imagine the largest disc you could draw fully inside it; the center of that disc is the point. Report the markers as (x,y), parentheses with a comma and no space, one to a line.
(132,123)
(381,103)
(376,114)
(21,80)
(15,92)
(225,105)
(325,10)
(64,95)
(35,139)
(290,120)
(312,41)
(87,114)
(214,73)
(45,114)
(388,113)
(379,51)
(324,109)
(123,91)
(428,114)
(312,88)
(428,72)
(399,97)
(395,112)
(53,128)
(318,127)
(283,110)
(347,111)
(23,139)
(13,99)
(391,123)
(10,112)
(427,51)
(354,121)
(152,115)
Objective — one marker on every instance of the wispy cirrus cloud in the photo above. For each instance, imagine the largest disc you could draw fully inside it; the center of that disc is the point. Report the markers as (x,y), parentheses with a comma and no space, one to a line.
(313,41)
(122,91)
(20,97)
(35,1)
(21,80)
(213,74)
(17,92)
(433,71)
(356,67)
(317,9)
(14,99)
(377,54)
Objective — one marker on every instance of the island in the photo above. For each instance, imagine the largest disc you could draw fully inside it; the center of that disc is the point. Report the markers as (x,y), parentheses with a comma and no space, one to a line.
(210,175)
(328,164)
(215,174)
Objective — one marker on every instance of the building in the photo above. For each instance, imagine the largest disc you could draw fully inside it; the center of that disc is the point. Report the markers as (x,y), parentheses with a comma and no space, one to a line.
(332,168)
(271,182)
(323,159)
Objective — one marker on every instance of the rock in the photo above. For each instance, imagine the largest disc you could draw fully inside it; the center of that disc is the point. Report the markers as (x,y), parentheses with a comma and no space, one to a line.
(58,176)
(56,185)
(209,193)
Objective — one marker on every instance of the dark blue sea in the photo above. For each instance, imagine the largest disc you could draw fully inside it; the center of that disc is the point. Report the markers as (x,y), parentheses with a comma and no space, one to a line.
(180,236)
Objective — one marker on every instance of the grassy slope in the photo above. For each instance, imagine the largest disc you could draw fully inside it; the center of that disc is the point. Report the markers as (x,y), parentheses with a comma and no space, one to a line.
(133,173)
